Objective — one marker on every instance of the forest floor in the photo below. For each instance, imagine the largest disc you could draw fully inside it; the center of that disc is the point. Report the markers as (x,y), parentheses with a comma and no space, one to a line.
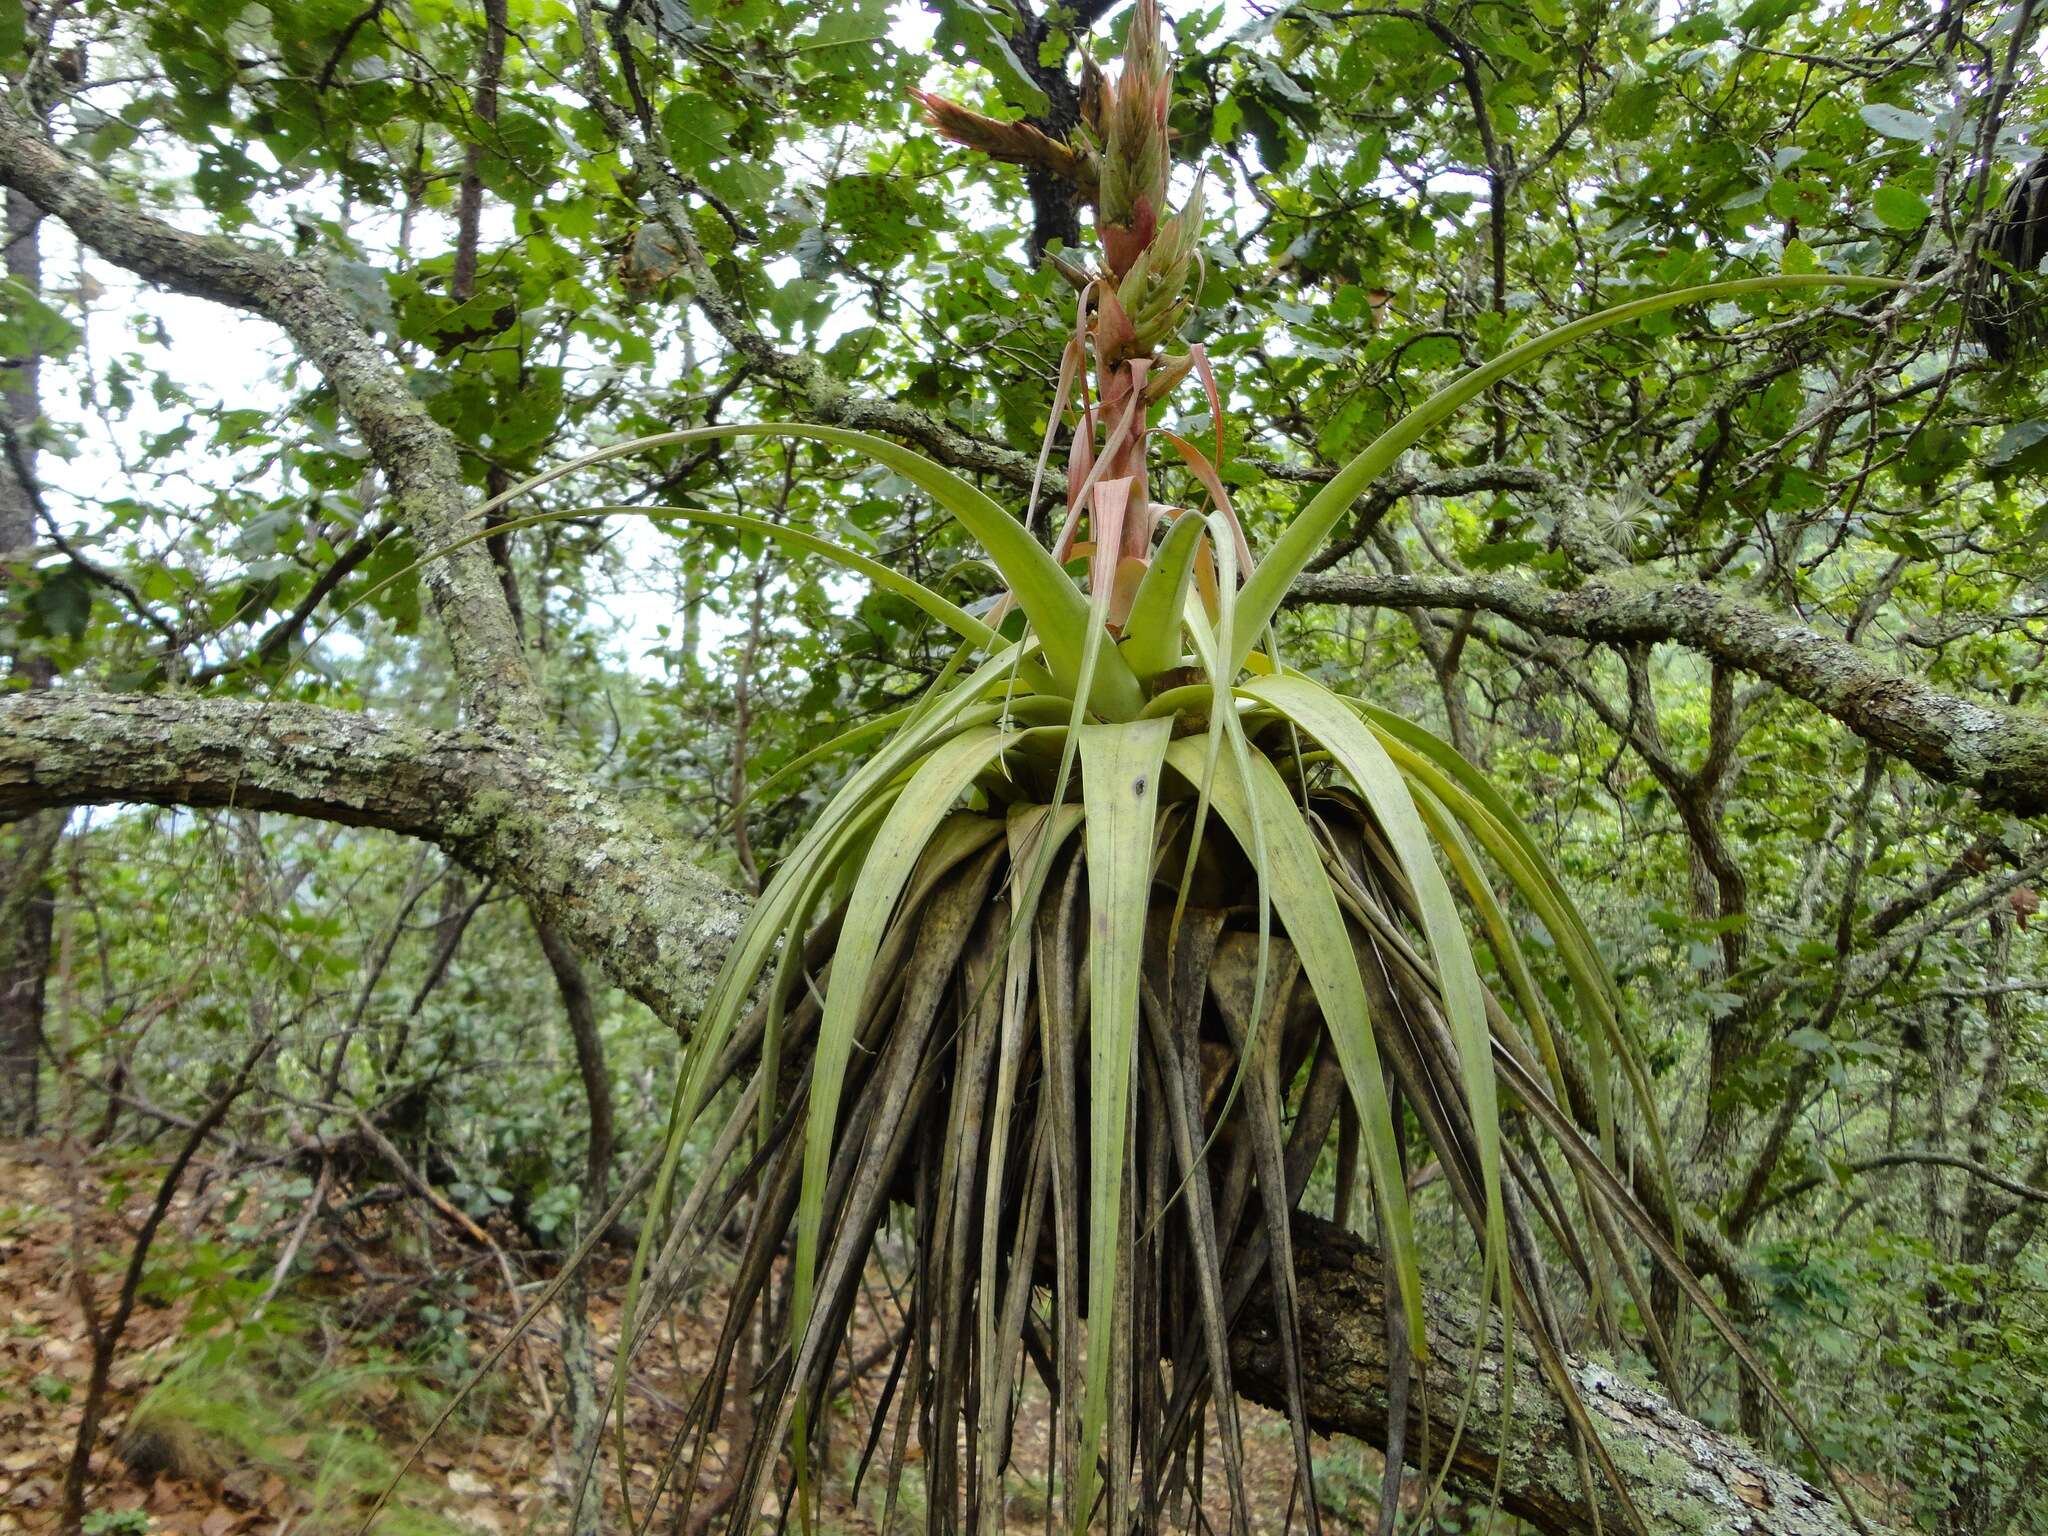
(235,1411)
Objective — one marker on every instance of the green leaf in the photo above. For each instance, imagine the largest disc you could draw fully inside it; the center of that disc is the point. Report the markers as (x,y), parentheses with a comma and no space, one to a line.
(698,130)
(1703,26)
(1465,792)
(1900,207)
(1426,354)
(1803,201)
(1333,724)
(30,327)
(61,600)
(1120,767)
(1305,905)
(2022,448)
(1898,123)
(1493,557)
(852,21)
(986,38)
(1152,633)
(1799,257)
(1765,16)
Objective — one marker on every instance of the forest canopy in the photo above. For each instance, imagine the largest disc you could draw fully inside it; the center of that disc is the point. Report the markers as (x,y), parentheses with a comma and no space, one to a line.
(439,719)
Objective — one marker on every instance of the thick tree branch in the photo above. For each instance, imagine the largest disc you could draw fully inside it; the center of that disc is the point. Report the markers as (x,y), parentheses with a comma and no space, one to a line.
(587,862)
(1999,752)
(1683,1476)
(415,454)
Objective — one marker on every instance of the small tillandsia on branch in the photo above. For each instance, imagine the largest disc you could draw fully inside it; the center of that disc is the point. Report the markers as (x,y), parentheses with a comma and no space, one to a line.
(1105,941)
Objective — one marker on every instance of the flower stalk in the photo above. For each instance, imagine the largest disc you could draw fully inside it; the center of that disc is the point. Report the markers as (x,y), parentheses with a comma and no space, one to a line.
(1129,311)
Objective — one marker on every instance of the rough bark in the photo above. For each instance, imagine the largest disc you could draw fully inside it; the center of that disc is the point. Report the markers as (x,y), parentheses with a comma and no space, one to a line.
(584,1408)
(1682,1476)
(27,910)
(2001,753)
(27,919)
(592,865)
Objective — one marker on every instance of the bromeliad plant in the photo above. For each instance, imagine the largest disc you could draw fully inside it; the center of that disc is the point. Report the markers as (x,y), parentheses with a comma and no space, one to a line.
(1110,938)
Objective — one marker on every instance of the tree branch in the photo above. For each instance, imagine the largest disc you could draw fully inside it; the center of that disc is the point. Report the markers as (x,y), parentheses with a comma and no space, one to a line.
(586,860)
(1999,752)
(1683,1476)
(416,455)
(1916,1158)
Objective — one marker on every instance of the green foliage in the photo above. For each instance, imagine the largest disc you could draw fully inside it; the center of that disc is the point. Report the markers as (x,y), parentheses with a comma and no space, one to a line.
(116,1522)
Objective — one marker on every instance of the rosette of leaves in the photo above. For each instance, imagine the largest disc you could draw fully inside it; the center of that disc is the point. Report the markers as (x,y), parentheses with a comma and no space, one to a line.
(1106,943)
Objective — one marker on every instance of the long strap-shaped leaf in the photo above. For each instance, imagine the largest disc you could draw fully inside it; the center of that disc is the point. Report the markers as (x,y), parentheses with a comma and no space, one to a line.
(1224,726)
(1451,762)
(919,809)
(1566,1135)
(1465,792)
(1120,766)
(1026,828)
(787,897)
(1056,607)
(791,894)
(1296,546)
(1464,860)
(1303,901)
(1329,721)
(1461,814)
(772,915)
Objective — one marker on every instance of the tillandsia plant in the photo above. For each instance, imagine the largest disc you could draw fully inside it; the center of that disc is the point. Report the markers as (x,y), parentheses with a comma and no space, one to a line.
(1111,938)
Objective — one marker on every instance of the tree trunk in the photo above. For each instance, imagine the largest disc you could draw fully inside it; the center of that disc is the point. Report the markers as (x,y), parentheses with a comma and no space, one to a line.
(26,901)
(27,915)
(585,1405)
